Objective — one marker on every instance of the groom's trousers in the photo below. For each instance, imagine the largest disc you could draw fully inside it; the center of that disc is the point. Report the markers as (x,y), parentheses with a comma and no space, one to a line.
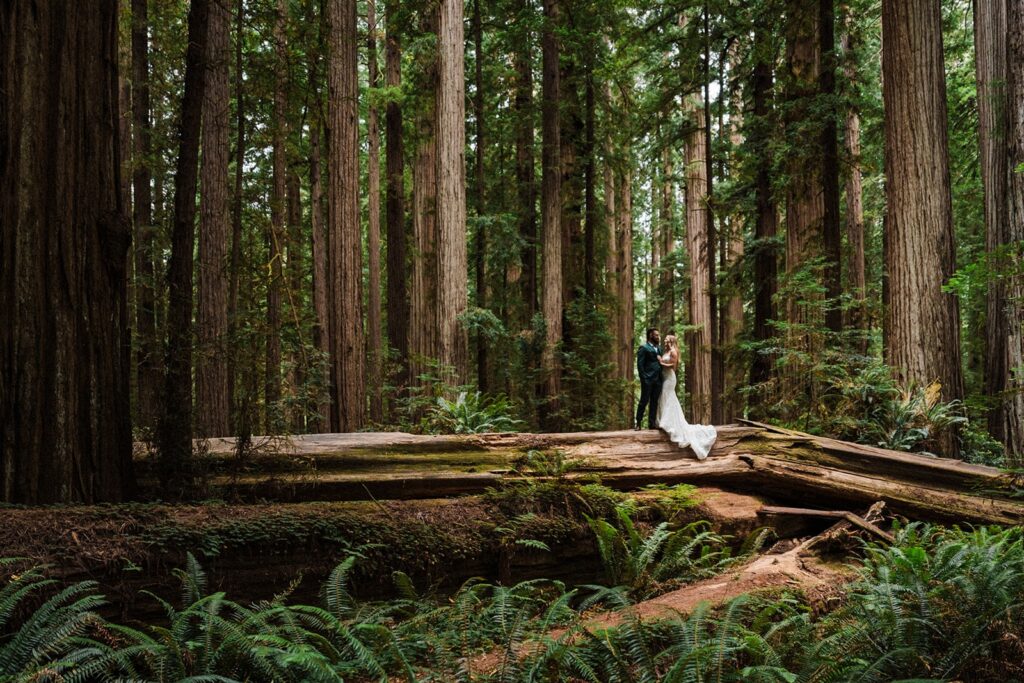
(650,392)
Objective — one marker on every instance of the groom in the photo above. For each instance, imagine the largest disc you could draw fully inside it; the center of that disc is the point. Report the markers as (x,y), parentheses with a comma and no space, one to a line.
(649,370)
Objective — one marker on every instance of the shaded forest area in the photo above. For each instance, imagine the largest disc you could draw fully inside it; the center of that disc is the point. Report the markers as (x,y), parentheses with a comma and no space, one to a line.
(240,217)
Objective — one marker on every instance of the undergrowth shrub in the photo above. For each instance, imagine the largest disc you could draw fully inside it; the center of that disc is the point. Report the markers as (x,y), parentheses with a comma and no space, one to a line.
(652,562)
(472,413)
(938,604)
(45,638)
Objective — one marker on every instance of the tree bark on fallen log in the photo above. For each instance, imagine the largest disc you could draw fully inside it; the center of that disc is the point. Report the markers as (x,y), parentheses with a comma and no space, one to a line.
(794,568)
(788,467)
(852,519)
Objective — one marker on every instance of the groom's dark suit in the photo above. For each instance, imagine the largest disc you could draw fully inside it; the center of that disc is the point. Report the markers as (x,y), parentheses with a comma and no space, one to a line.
(649,370)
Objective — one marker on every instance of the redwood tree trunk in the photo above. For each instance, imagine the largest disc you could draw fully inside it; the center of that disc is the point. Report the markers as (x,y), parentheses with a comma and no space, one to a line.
(423,323)
(551,209)
(698,247)
(570,142)
(666,245)
(345,268)
(922,330)
(176,423)
(732,309)
(624,337)
(831,236)
(479,191)
(991,58)
(526,169)
(1013,408)
(212,390)
(589,189)
(147,352)
(623,413)
(805,206)
(398,297)
(856,277)
(652,314)
(374,345)
(276,237)
(318,247)
(717,359)
(295,268)
(452,264)
(65,424)
(765,254)
(234,269)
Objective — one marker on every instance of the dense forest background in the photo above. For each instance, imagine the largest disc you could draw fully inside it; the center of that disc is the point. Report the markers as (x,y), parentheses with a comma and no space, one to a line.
(239,217)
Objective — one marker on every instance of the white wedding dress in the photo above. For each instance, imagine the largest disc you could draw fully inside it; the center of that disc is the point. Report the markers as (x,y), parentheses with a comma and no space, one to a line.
(700,438)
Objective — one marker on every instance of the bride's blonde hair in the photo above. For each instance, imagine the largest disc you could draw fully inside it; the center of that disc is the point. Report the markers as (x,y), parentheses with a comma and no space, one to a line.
(670,343)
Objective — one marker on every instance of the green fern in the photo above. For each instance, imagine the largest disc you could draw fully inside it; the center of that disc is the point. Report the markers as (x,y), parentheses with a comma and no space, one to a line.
(53,640)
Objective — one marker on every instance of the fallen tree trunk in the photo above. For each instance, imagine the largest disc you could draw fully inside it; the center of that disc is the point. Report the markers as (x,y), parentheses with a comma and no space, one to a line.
(794,568)
(852,519)
(253,551)
(790,467)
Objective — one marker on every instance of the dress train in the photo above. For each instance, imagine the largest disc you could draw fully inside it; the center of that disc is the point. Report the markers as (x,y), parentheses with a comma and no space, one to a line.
(671,420)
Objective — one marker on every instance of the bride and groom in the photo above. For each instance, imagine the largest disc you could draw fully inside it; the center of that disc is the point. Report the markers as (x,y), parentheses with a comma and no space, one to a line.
(657,371)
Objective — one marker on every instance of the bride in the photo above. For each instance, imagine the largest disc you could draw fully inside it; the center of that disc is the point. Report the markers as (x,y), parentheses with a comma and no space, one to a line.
(670,414)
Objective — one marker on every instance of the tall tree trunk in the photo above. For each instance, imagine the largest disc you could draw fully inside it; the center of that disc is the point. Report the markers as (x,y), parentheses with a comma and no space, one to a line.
(805,207)
(176,423)
(666,245)
(398,297)
(766,226)
(345,268)
(525,169)
(65,421)
(452,265)
(732,310)
(319,249)
(922,330)
(551,209)
(1013,408)
(856,276)
(570,143)
(589,191)
(374,344)
(276,236)
(124,127)
(653,299)
(423,324)
(699,246)
(212,390)
(236,218)
(990,48)
(623,408)
(831,234)
(479,191)
(717,359)
(295,265)
(624,284)
(147,352)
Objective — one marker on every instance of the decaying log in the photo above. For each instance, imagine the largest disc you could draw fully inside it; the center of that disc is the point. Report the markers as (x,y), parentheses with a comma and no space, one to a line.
(797,568)
(786,466)
(846,515)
